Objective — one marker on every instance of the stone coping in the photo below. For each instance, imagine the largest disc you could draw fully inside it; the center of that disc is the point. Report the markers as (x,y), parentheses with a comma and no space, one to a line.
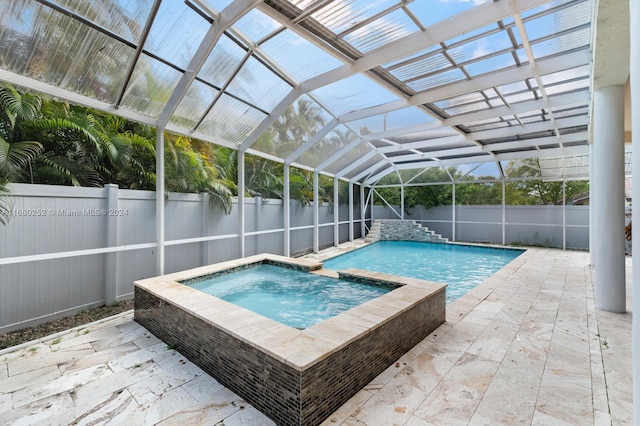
(299,349)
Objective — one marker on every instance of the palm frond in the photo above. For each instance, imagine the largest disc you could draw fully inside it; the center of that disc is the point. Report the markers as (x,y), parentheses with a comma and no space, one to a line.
(6,203)
(24,106)
(219,196)
(14,156)
(58,169)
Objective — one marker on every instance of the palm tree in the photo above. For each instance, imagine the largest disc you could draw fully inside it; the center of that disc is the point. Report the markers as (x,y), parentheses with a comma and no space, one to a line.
(296,125)
(187,170)
(15,153)
(17,113)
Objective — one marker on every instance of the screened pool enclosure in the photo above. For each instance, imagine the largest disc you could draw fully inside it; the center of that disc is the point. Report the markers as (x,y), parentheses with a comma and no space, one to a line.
(399,85)
(386,95)
(397,88)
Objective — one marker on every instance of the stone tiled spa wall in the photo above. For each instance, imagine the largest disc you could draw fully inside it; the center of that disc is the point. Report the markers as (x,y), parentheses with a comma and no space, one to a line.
(402,230)
(288,395)
(331,382)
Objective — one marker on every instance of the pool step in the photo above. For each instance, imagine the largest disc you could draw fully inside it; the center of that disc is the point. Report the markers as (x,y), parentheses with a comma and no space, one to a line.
(402,230)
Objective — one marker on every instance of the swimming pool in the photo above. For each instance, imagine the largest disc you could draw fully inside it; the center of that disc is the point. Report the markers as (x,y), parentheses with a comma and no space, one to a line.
(462,267)
(291,297)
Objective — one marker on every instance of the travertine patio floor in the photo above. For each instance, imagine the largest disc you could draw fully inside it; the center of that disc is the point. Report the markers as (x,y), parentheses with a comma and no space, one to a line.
(527,346)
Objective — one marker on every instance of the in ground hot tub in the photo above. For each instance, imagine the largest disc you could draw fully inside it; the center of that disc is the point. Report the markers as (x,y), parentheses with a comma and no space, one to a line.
(294,376)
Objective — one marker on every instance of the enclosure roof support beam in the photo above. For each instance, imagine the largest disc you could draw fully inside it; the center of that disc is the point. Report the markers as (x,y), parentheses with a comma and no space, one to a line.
(371,180)
(486,158)
(336,155)
(519,108)
(271,118)
(356,163)
(228,16)
(500,146)
(551,152)
(314,139)
(447,140)
(479,16)
(583,97)
(72,97)
(134,60)
(498,78)
(363,174)
(544,126)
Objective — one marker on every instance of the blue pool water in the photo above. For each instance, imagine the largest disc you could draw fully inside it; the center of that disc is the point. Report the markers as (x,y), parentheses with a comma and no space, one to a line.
(461,267)
(293,298)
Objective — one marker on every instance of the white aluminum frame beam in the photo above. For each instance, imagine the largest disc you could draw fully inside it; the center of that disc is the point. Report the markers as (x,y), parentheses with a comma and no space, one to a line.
(285,103)
(486,158)
(488,134)
(529,128)
(520,108)
(486,81)
(350,210)
(227,17)
(72,97)
(314,139)
(339,153)
(464,22)
(357,163)
(316,213)
(370,170)
(500,146)
(634,13)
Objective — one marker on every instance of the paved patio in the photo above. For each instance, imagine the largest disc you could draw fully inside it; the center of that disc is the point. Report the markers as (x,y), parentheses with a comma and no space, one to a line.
(525,347)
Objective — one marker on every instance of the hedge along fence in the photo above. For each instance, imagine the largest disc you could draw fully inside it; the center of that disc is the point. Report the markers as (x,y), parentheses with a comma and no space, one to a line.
(83,247)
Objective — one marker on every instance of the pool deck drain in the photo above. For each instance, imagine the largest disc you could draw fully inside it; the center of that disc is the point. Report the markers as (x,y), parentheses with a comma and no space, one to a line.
(525,347)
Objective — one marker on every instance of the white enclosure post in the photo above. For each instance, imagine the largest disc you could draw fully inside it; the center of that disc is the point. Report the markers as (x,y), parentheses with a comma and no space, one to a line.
(592,204)
(111,259)
(363,230)
(634,9)
(372,195)
(350,211)
(241,223)
(504,212)
(402,202)
(564,214)
(453,212)
(608,128)
(204,221)
(316,214)
(286,204)
(160,200)
(336,216)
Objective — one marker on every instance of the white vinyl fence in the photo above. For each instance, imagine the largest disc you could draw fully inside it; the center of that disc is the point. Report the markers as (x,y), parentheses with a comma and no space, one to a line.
(548,226)
(69,248)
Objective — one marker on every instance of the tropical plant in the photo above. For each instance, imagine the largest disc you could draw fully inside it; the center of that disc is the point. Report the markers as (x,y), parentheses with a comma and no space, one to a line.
(6,203)
(15,153)
(43,141)
(187,170)
(18,115)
